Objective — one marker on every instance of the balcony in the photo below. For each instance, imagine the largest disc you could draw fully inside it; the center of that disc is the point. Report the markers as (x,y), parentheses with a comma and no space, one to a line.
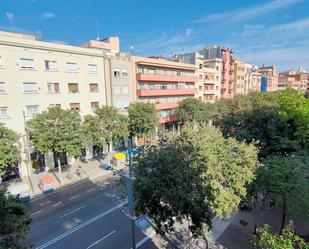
(165,78)
(169,118)
(165,92)
(165,106)
(209,92)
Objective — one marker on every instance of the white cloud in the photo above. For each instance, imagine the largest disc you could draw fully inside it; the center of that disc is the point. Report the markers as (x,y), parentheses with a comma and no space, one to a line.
(48,15)
(249,13)
(189,32)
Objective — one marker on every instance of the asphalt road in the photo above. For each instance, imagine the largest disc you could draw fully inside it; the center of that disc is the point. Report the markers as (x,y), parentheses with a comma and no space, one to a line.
(85,215)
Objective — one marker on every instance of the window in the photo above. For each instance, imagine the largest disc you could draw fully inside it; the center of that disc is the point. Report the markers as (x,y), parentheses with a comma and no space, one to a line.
(26,63)
(30,87)
(50,65)
(140,70)
(116,89)
(163,86)
(200,88)
(4,112)
(71,67)
(201,66)
(55,105)
(75,106)
(92,68)
(200,77)
(31,110)
(73,87)
(53,88)
(151,86)
(116,73)
(2,87)
(125,90)
(124,73)
(94,105)
(141,85)
(93,87)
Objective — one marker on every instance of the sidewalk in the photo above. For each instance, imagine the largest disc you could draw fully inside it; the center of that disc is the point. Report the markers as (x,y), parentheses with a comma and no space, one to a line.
(70,174)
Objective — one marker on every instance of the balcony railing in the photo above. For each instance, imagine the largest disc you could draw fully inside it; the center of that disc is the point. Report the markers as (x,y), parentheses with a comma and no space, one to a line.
(165,92)
(165,78)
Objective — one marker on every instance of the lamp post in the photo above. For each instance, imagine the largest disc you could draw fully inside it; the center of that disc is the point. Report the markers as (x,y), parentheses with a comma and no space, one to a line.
(129,187)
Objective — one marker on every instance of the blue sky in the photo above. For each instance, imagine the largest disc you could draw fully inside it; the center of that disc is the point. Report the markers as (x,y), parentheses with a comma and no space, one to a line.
(277,30)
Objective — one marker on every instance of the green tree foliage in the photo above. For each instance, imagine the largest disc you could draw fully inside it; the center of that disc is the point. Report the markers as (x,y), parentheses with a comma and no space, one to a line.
(143,119)
(191,175)
(105,126)
(58,131)
(14,221)
(194,110)
(258,117)
(266,239)
(9,152)
(283,180)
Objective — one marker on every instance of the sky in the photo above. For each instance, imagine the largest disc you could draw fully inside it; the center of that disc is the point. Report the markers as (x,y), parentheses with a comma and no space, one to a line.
(270,32)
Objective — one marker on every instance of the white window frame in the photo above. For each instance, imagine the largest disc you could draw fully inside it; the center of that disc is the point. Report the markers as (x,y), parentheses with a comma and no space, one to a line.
(25,66)
(124,89)
(124,73)
(3,90)
(1,112)
(31,114)
(30,91)
(116,73)
(51,64)
(52,84)
(71,70)
(116,89)
(91,67)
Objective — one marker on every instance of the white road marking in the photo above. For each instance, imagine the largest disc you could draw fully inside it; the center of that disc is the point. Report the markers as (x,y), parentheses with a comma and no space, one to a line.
(73,197)
(90,190)
(56,204)
(40,211)
(64,235)
(144,240)
(72,211)
(98,241)
(44,203)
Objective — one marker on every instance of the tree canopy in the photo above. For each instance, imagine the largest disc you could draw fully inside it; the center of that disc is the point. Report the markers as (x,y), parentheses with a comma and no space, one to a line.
(58,131)
(14,221)
(266,239)
(143,119)
(192,175)
(9,152)
(105,126)
(194,110)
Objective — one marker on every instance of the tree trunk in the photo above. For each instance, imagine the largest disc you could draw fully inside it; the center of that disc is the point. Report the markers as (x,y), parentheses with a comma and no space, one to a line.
(60,170)
(283,214)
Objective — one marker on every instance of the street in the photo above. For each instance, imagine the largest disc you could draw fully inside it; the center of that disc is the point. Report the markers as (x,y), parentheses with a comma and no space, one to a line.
(85,215)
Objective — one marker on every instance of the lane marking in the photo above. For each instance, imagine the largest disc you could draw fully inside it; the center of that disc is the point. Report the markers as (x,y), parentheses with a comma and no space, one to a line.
(98,241)
(90,190)
(40,211)
(73,211)
(44,203)
(56,204)
(73,197)
(144,240)
(59,190)
(64,235)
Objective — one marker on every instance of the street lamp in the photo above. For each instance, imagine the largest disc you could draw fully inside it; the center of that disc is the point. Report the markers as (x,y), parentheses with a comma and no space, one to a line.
(129,187)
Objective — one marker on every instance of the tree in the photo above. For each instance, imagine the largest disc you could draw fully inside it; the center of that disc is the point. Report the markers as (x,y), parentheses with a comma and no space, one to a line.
(143,119)
(192,175)
(105,126)
(265,239)
(282,179)
(9,152)
(257,117)
(194,110)
(58,131)
(14,221)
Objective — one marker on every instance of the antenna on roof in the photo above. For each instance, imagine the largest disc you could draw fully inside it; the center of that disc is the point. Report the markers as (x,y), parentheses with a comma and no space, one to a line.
(97,24)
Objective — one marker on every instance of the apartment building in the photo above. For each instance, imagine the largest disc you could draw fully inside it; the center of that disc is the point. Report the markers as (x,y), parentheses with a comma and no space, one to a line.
(35,75)
(163,83)
(297,80)
(269,78)
(227,68)
(208,73)
(246,78)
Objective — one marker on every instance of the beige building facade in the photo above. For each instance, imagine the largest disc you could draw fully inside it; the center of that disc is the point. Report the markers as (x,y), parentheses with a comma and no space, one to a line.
(35,75)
